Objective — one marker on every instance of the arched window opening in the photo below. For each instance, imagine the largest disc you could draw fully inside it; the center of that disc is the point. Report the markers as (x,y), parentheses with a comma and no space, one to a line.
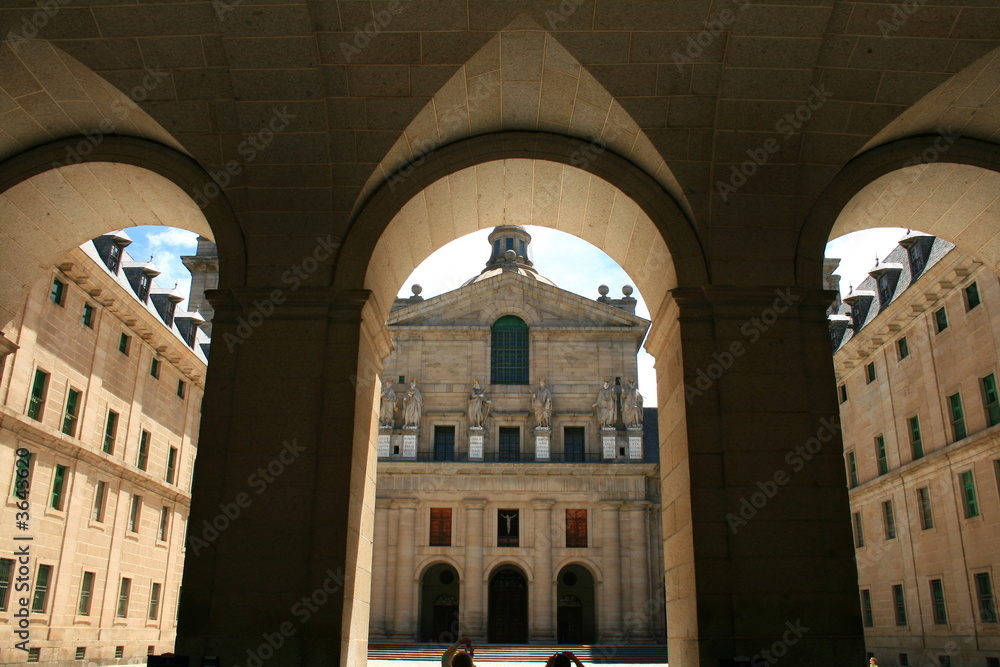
(509,358)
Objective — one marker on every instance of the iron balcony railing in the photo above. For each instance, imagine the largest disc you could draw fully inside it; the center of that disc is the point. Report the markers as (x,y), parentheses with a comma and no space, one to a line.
(505,457)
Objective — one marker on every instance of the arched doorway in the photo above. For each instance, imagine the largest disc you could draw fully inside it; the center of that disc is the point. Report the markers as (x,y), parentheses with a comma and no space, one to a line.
(439,589)
(508,607)
(576,612)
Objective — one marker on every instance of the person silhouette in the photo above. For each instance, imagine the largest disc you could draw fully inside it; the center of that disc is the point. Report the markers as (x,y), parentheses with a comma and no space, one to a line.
(453,657)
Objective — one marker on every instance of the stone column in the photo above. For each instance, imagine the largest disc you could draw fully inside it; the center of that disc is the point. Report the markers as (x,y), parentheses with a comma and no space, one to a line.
(472,613)
(756,383)
(303,363)
(380,569)
(542,615)
(640,602)
(404,614)
(609,597)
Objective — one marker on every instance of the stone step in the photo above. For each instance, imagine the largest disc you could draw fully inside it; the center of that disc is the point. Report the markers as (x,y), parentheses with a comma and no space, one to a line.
(588,653)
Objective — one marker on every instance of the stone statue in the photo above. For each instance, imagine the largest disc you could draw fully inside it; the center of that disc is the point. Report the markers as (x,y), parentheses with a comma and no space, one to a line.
(606,407)
(413,403)
(541,402)
(479,406)
(387,406)
(631,405)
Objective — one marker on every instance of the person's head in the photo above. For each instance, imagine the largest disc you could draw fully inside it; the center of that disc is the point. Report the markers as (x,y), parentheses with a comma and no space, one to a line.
(872,661)
(562,660)
(462,659)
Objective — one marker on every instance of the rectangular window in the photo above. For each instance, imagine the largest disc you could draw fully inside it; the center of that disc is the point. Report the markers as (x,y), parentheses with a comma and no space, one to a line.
(70,416)
(164,523)
(81,653)
(124,343)
(154,367)
(903,348)
(181,387)
(100,497)
(40,601)
(171,465)
(110,432)
(941,319)
(916,441)
(573,444)
(119,652)
(885,289)
(890,520)
(992,662)
(991,399)
(859,531)
(870,373)
(899,602)
(154,602)
(88,315)
(37,400)
(510,444)
(968,484)
(6,570)
(58,292)
(440,527)
(904,660)
(938,603)
(86,594)
(852,470)
(123,593)
(508,528)
(957,416)
(144,283)
(972,297)
(866,608)
(843,393)
(984,590)
(22,491)
(143,457)
(576,528)
(135,514)
(34,654)
(880,456)
(444,443)
(58,487)
(926,515)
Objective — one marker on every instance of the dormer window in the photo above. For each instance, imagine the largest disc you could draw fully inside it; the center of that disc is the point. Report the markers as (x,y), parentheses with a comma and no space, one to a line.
(144,283)
(885,288)
(856,317)
(916,259)
(114,260)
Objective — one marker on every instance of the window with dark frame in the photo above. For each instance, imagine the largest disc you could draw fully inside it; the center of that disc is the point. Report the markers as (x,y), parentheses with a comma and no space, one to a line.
(444,443)
(576,528)
(134,514)
(509,351)
(171,465)
(991,400)
(870,373)
(100,499)
(154,602)
(510,444)
(58,487)
(154,368)
(88,316)
(124,590)
(86,594)
(957,416)
(889,518)
(124,342)
(880,455)
(440,527)
(144,282)
(926,512)
(110,432)
(899,603)
(6,570)
(37,400)
(916,440)
(971,297)
(40,600)
(984,592)
(508,528)
(859,531)
(58,293)
(574,444)
(866,608)
(843,393)
(967,482)
(143,457)
(941,319)
(181,388)
(938,603)
(164,530)
(916,260)
(852,469)
(70,415)
(903,348)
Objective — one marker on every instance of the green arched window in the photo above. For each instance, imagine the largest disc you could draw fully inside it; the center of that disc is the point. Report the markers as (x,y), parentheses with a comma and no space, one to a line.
(509,358)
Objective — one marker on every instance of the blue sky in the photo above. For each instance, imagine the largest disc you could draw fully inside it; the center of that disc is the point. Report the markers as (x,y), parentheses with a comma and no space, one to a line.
(573,264)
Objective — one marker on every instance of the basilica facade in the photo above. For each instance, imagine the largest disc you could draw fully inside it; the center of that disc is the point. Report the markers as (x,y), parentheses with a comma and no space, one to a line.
(517,491)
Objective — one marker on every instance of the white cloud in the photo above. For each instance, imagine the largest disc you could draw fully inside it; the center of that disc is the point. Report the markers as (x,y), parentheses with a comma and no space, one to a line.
(165,245)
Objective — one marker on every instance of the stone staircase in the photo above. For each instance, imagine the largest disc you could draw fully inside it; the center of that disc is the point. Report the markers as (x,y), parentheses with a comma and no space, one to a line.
(535,653)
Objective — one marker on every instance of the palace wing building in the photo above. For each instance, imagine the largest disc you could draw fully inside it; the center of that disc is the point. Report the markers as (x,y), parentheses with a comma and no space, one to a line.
(917,364)
(518,478)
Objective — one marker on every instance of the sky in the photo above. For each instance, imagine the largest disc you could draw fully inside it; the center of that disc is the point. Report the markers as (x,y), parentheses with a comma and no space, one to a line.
(571,263)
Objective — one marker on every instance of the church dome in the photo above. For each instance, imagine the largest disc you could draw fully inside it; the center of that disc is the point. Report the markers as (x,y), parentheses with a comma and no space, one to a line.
(510,247)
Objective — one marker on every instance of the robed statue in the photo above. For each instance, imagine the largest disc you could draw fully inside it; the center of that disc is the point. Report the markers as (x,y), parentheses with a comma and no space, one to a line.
(631,405)
(413,403)
(479,406)
(387,405)
(606,408)
(541,403)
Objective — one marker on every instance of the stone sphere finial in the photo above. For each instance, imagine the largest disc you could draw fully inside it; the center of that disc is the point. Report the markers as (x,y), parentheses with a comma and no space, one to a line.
(627,290)
(510,255)
(416,288)
(603,290)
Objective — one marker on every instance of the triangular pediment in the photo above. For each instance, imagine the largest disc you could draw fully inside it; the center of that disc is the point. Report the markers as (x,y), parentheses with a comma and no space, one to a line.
(537,303)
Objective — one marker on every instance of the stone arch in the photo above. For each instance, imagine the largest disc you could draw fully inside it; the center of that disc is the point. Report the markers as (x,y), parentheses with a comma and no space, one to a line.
(431,561)
(530,316)
(51,207)
(886,186)
(595,571)
(513,561)
(524,79)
